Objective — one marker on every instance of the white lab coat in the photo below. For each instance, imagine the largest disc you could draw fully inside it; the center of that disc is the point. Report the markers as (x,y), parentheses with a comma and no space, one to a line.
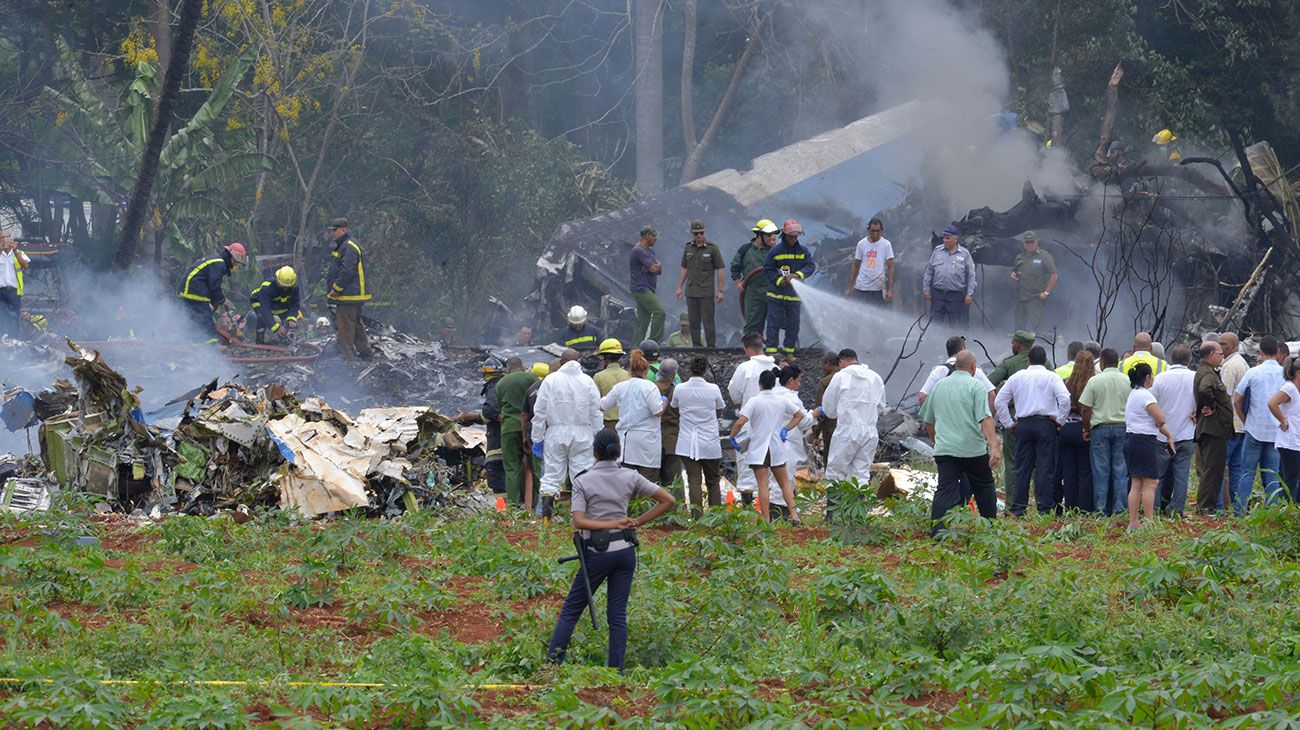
(640,433)
(565,421)
(855,397)
(743,386)
(796,445)
(766,414)
(698,401)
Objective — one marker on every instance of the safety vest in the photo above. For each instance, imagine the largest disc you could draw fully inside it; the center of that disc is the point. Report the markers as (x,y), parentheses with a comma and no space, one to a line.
(18,269)
(185,291)
(362,294)
(1157,365)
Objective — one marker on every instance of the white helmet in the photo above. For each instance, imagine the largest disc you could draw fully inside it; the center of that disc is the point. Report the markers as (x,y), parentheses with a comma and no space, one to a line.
(322,322)
(577,315)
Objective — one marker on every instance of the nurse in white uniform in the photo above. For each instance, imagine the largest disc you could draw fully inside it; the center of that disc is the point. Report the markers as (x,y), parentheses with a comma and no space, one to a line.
(770,417)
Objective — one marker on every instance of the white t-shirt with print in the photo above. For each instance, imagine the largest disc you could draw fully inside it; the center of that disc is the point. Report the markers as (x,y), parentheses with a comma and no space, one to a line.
(871,274)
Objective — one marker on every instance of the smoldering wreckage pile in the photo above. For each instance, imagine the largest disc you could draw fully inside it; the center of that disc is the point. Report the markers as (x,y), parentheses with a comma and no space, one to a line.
(229,447)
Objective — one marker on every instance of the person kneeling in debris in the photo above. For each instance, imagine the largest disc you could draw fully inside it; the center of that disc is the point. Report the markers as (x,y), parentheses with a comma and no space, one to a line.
(600,500)
(855,398)
(200,291)
(565,416)
(276,302)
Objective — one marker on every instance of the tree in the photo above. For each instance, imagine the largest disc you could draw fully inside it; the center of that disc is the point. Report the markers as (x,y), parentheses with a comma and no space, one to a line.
(649,85)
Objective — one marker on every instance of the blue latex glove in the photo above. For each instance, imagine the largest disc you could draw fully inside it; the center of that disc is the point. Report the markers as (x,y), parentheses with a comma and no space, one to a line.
(784,433)
(734,444)
(663,398)
(537,449)
(819,412)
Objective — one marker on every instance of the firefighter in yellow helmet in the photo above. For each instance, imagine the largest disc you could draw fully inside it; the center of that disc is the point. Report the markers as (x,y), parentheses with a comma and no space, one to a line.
(276,304)
(611,354)
(1166,138)
(747,271)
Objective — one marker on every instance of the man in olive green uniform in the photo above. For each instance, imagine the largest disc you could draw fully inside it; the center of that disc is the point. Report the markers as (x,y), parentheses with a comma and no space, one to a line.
(825,428)
(1034,276)
(1021,341)
(611,352)
(511,391)
(682,337)
(748,264)
(701,265)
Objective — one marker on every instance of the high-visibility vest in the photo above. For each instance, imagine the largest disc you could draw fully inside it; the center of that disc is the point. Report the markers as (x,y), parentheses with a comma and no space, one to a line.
(185,291)
(361,279)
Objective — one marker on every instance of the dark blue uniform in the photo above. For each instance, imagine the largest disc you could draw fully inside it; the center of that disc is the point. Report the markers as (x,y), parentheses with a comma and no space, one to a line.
(785,264)
(270,300)
(201,291)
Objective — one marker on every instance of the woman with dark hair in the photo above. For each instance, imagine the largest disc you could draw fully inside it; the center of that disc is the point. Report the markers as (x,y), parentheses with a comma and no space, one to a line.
(1285,406)
(600,498)
(770,418)
(1075,454)
(639,405)
(699,403)
(788,382)
(1143,421)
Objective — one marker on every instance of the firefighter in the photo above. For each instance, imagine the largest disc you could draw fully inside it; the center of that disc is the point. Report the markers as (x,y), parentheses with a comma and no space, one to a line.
(788,261)
(1166,139)
(348,293)
(201,291)
(493,368)
(579,335)
(275,302)
(747,271)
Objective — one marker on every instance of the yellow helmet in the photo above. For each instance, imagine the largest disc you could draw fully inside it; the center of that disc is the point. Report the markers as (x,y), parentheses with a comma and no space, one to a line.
(1163,137)
(285,276)
(765,226)
(610,347)
(1175,155)
(540,370)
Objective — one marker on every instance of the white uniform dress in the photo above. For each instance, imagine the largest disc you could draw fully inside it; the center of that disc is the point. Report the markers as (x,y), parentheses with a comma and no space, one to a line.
(565,421)
(743,386)
(796,445)
(698,401)
(640,432)
(766,414)
(855,397)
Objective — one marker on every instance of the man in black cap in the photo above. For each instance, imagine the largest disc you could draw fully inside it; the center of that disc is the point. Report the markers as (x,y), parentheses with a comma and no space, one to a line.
(701,266)
(348,293)
(1034,276)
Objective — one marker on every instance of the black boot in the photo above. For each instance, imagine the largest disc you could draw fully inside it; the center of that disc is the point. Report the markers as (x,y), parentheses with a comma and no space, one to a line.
(747,498)
(548,506)
(555,656)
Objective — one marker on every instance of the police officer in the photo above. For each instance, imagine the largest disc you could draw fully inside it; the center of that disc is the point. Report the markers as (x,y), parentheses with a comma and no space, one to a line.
(579,335)
(949,281)
(608,541)
(276,302)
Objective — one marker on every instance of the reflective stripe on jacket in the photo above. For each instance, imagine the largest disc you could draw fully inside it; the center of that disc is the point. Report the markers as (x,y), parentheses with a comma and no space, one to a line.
(348,274)
(784,263)
(203,283)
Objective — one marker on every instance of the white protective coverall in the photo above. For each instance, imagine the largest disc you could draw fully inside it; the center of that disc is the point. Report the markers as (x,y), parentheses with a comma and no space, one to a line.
(565,421)
(640,432)
(743,386)
(856,397)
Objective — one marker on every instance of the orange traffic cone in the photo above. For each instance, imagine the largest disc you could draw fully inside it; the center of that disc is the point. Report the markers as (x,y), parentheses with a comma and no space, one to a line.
(501,504)
(731,497)
(973,510)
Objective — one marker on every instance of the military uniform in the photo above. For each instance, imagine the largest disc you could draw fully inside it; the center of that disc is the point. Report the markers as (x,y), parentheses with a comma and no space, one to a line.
(700,263)
(825,428)
(1005,369)
(1032,271)
(746,261)
(511,390)
(670,464)
(496,476)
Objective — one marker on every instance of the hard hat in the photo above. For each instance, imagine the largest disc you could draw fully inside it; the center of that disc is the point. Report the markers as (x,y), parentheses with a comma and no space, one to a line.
(649,348)
(610,347)
(322,322)
(577,315)
(40,322)
(1163,137)
(238,253)
(492,365)
(286,277)
(792,228)
(541,370)
(765,226)
(1175,155)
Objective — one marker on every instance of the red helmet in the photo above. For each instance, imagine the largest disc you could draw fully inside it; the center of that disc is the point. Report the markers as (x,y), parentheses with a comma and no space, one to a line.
(792,228)
(237,252)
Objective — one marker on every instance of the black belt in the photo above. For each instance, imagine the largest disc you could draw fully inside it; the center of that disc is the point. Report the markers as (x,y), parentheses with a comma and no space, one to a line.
(600,539)
(9,288)
(951,291)
(1025,418)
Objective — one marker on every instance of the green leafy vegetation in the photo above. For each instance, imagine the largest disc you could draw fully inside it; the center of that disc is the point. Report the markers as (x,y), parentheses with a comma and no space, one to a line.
(1037,622)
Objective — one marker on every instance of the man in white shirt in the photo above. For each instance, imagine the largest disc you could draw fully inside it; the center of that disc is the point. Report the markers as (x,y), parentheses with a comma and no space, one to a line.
(1258,450)
(743,386)
(12,262)
(1042,404)
(872,277)
(1175,392)
(955,344)
(1232,370)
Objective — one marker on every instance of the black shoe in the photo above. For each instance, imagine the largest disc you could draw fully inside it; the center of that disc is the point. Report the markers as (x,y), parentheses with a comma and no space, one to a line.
(548,506)
(747,498)
(555,656)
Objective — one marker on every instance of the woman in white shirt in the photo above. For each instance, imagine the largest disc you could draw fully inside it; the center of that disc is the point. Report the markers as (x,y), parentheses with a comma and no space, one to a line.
(639,405)
(770,418)
(700,403)
(788,383)
(1285,407)
(1143,422)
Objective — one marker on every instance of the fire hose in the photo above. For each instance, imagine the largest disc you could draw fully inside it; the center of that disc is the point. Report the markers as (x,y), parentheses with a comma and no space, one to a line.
(745,283)
(284,354)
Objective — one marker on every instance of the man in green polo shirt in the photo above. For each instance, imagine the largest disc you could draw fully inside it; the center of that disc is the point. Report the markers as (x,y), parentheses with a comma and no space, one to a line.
(511,391)
(1102,405)
(958,419)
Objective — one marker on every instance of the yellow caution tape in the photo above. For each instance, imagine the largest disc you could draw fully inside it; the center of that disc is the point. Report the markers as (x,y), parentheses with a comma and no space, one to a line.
(267,683)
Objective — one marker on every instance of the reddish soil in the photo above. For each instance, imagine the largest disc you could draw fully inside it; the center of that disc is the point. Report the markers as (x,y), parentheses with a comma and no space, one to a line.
(331,617)
(505,702)
(942,701)
(124,539)
(525,538)
(802,535)
(169,566)
(17,536)
(548,603)
(622,700)
(466,586)
(415,564)
(84,614)
(470,624)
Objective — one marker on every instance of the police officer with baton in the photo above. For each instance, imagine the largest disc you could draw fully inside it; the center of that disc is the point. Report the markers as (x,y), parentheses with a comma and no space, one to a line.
(606,543)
